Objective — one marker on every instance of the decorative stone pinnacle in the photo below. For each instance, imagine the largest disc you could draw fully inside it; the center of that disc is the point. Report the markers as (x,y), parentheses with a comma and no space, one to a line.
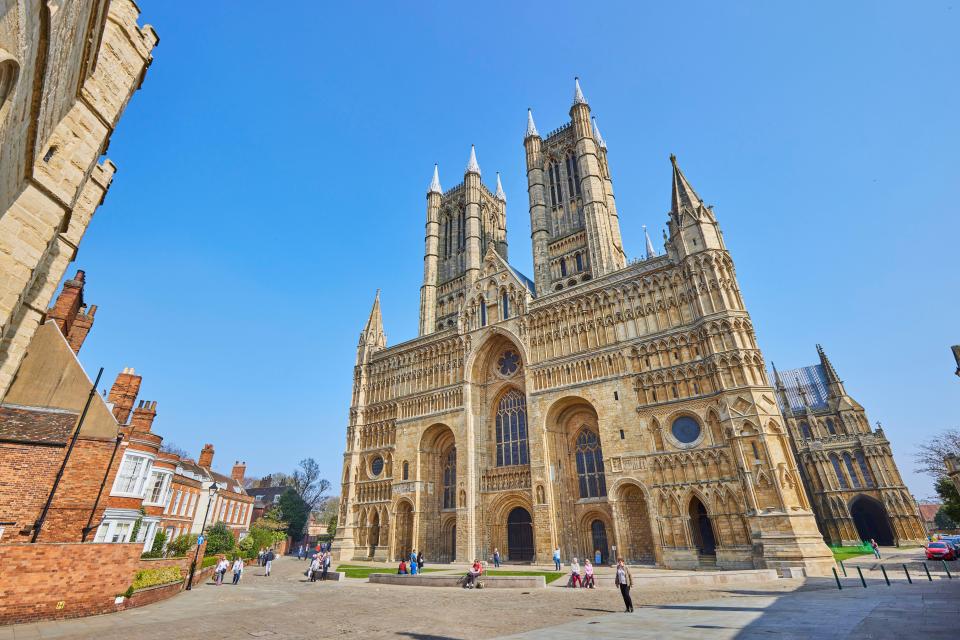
(531,128)
(577,93)
(435,183)
(596,135)
(472,166)
(651,253)
(500,194)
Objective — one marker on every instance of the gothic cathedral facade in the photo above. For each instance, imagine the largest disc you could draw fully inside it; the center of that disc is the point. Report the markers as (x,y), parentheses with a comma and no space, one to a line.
(604,406)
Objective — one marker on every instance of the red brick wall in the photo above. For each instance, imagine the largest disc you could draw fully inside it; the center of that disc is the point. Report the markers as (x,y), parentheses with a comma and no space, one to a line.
(86,578)
(26,474)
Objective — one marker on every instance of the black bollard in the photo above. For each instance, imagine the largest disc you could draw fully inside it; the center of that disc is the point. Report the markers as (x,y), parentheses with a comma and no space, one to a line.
(925,568)
(844,569)
(864,582)
(837,578)
(908,574)
(949,577)
(882,568)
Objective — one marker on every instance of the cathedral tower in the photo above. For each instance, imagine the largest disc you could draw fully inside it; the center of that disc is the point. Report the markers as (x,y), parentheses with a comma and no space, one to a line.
(573,216)
(461,223)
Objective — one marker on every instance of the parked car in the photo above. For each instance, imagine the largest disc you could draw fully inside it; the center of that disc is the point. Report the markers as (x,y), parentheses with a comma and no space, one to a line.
(940,551)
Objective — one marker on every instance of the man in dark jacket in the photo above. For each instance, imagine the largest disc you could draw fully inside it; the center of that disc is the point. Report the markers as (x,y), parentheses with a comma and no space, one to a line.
(268,561)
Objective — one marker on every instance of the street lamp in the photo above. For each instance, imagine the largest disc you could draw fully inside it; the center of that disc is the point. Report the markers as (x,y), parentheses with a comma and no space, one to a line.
(213,491)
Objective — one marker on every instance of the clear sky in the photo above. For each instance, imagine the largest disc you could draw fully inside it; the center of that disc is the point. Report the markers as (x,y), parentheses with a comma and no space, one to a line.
(272,172)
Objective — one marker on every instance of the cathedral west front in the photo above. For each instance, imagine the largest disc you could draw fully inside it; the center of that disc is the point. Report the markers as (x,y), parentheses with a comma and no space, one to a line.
(603,405)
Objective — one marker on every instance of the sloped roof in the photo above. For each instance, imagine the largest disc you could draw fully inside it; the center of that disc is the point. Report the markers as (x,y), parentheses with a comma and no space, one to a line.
(929,511)
(812,380)
(36,425)
(266,495)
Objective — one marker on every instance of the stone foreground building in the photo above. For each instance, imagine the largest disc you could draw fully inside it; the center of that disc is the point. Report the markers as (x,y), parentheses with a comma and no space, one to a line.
(602,406)
(847,467)
(67,71)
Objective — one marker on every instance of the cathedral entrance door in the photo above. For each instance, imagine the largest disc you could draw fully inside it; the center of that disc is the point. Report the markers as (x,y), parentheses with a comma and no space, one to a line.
(598,532)
(702,528)
(520,535)
(870,518)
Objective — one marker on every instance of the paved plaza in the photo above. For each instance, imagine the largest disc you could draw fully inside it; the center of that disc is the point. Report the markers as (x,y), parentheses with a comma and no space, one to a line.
(286,606)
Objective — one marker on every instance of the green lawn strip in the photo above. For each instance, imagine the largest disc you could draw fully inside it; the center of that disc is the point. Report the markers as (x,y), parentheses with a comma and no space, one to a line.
(844,553)
(548,576)
(356,571)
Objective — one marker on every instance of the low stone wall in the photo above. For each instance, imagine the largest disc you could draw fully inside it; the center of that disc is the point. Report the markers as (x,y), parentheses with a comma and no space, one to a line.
(451,580)
(691,578)
(151,595)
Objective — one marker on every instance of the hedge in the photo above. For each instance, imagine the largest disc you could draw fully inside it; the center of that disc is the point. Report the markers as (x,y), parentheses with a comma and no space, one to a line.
(152,577)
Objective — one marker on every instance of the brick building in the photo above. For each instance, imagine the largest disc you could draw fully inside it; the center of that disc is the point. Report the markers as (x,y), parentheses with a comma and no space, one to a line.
(232,504)
(181,509)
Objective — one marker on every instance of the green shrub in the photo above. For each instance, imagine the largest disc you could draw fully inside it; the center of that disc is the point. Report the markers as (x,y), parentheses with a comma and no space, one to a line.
(209,561)
(219,539)
(181,545)
(152,577)
(156,551)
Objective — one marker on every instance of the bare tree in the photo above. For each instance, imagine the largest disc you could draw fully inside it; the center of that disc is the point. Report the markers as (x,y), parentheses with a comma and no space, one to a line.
(929,457)
(170,447)
(308,484)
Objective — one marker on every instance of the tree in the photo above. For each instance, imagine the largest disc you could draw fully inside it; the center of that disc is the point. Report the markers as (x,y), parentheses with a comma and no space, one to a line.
(156,551)
(930,454)
(265,532)
(170,447)
(295,511)
(219,539)
(943,521)
(308,484)
(951,499)
(331,509)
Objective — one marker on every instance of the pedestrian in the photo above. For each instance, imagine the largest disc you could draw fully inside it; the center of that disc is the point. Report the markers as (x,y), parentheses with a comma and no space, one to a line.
(237,570)
(419,561)
(413,563)
(260,557)
(496,558)
(574,580)
(325,564)
(588,581)
(268,561)
(402,569)
(300,555)
(624,580)
(314,568)
(556,558)
(220,570)
(597,557)
(876,548)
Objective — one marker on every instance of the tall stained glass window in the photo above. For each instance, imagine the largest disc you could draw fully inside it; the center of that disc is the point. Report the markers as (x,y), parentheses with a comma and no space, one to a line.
(593,482)
(450,479)
(512,430)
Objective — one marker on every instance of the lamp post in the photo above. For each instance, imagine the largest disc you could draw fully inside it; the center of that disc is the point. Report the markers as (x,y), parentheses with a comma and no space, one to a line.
(196,555)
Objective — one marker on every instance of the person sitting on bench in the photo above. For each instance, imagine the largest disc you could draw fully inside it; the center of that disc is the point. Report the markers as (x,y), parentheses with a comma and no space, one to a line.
(475,572)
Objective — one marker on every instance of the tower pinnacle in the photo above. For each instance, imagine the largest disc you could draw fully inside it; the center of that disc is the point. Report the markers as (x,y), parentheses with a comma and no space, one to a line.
(472,166)
(435,183)
(650,250)
(833,380)
(500,194)
(577,93)
(374,326)
(531,128)
(683,195)
(596,135)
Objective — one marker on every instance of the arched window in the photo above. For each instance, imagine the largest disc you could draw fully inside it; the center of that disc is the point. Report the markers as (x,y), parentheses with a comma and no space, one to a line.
(864,469)
(576,175)
(563,267)
(579,259)
(450,479)
(505,303)
(805,431)
(593,483)
(842,479)
(462,230)
(553,186)
(406,470)
(512,429)
(483,312)
(831,429)
(570,164)
(853,474)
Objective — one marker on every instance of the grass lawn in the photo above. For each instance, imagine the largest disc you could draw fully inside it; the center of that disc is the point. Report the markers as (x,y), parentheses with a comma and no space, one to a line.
(548,576)
(356,571)
(844,553)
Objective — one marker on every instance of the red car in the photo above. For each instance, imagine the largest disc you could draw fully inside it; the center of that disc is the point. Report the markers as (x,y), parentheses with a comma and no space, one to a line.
(940,551)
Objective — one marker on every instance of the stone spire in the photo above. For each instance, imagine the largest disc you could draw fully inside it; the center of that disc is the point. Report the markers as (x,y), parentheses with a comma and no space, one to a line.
(373,330)
(531,128)
(781,391)
(651,253)
(577,93)
(472,166)
(435,183)
(596,135)
(500,194)
(683,194)
(834,382)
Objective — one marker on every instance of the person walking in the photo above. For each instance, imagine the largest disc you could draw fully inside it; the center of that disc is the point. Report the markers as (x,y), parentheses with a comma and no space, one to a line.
(260,557)
(556,558)
(220,570)
(413,563)
(325,565)
(574,574)
(624,580)
(300,555)
(315,568)
(496,557)
(875,547)
(268,561)
(237,570)
(419,561)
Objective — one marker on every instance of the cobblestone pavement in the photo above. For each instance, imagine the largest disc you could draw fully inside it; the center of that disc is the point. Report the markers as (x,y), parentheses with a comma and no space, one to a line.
(286,606)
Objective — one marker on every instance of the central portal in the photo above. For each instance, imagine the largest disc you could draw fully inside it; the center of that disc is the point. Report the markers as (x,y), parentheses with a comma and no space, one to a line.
(519,535)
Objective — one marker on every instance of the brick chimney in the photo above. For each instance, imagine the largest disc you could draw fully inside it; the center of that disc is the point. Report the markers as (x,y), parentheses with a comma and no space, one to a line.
(144,415)
(81,327)
(239,469)
(68,303)
(206,456)
(123,393)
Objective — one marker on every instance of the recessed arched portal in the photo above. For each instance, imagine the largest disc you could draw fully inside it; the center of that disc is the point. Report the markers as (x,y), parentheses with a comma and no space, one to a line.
(519,535)
(598,535)
(403,523)
(635,532)
(702,528)
(374,536)
(870,518)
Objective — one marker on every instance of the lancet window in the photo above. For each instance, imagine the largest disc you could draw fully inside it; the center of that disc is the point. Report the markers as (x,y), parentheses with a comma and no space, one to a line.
(512,429)
(450,479)
(593,482)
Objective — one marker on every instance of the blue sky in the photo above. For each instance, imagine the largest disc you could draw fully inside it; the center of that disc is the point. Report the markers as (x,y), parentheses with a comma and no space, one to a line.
(272,172)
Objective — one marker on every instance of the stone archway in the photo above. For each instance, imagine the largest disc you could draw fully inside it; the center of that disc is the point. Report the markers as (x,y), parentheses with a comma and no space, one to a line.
(403,525)
(438,467)
(701,528)
(871,520)
(520,547)
(374,533)
(636,538)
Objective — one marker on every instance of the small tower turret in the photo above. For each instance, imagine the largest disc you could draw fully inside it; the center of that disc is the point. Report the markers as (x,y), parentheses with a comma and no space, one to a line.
(834,383)
(428,292)
(539,224)
(693,227)
(372,338)
(474,224)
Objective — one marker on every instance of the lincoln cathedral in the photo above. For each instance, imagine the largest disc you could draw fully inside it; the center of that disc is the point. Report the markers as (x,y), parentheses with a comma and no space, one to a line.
(605,405)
